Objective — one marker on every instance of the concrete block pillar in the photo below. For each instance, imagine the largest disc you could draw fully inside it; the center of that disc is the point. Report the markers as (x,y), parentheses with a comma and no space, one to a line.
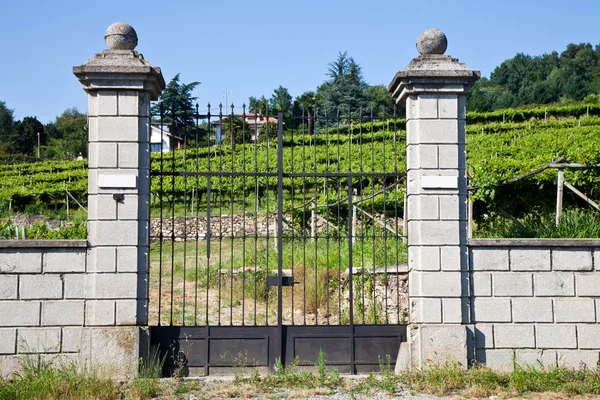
(434,87)
(120,84)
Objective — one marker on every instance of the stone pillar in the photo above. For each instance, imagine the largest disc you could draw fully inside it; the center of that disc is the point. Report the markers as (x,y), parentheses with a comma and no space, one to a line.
(434,87)
(120,84)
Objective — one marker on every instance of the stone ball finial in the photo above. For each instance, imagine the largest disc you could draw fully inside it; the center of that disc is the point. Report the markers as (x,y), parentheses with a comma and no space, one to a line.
(432,41)
(121,36)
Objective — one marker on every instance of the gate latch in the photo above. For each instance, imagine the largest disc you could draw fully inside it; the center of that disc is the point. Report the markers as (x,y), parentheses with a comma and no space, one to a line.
(285,281)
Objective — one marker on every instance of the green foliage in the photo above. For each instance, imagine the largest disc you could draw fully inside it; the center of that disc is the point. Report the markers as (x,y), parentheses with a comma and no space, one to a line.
(43,380)
(25,135)
(76,230)
(479,381)
(346,86)
(575,223)
(549,78)
(176,104)
(67,136)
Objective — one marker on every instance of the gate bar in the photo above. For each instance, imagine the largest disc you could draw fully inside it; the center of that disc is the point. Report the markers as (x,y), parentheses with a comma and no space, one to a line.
(280,233)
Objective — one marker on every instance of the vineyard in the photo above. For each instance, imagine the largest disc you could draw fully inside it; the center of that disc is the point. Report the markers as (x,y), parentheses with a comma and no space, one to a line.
(497,151)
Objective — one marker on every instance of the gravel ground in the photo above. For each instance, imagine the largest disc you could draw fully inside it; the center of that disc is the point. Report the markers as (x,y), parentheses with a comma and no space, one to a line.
(226,388)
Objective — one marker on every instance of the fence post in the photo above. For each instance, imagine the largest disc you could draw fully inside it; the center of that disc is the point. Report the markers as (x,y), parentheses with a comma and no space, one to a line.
(560,184)
(120,84)
(434,87)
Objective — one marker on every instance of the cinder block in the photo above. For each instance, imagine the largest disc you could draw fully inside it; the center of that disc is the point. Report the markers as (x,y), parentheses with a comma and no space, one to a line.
(554,284)
(8,341)
(589,336)
(102,207)
(512,284)
(497,360)
(129,209)
(115,286)
(454,311)
(9,365)
(129,103)
(118,129)
(447,106)
(426,311)
(532,310)
(482,284)
(92,104)
(126,312)
(423,208)
(113,233)
(64,261)
(448,156)
(484,336)
(127,259)
(441,344)
(423,258)
(588,284)
(579,359)
(62,312)
(435,284)
(144,104)
(574,310)
(509,336)
(435,233)
(129,155)
(450,207)
(71,339)
(93,128)
(102,259)
(19,313)
(8,287)
(20,261)
(107,102)
(556,336)
(597,259)
(440,131)
(75,286)
(41,287)
(38,340)
(102,155)
(491,310)
(462,106)
(571,260)
(530,260)
(99,312)
(536,358)
(486,259)
(427,106)
(451,258)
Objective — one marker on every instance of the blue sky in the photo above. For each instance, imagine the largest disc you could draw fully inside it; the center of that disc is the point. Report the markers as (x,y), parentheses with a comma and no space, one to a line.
(252,47)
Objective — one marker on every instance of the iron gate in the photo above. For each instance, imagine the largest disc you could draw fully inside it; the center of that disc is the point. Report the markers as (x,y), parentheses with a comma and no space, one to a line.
(275,238)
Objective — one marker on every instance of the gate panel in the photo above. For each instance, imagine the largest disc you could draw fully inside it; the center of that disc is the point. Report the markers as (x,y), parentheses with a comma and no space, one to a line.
(286,237)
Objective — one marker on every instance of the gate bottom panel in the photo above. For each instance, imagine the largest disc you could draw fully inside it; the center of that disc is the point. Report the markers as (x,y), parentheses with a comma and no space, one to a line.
(214,350)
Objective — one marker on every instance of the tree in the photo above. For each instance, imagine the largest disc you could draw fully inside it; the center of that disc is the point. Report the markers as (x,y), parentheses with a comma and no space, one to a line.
(67,136)
(380,100)
(281,101)
(178,106)
(308,101)
(234,128)
(258,106)
(346,86)
(6,129)
(26,135)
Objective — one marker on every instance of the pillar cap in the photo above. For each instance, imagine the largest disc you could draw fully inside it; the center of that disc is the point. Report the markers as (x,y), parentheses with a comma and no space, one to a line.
(432,41)
(432,69)
(121,36)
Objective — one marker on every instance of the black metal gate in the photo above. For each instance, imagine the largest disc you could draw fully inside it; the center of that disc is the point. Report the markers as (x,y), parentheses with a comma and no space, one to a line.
(273,238)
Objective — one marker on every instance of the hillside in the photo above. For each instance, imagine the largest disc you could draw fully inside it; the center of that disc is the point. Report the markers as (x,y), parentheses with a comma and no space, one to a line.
(496,151)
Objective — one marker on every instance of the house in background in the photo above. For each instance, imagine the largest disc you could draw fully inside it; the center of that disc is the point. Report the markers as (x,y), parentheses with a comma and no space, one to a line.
(161,137)
(253,125)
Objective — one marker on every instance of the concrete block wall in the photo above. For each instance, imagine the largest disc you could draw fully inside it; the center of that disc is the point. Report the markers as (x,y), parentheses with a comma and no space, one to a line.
(42,300)
(535,302)
(54,307)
